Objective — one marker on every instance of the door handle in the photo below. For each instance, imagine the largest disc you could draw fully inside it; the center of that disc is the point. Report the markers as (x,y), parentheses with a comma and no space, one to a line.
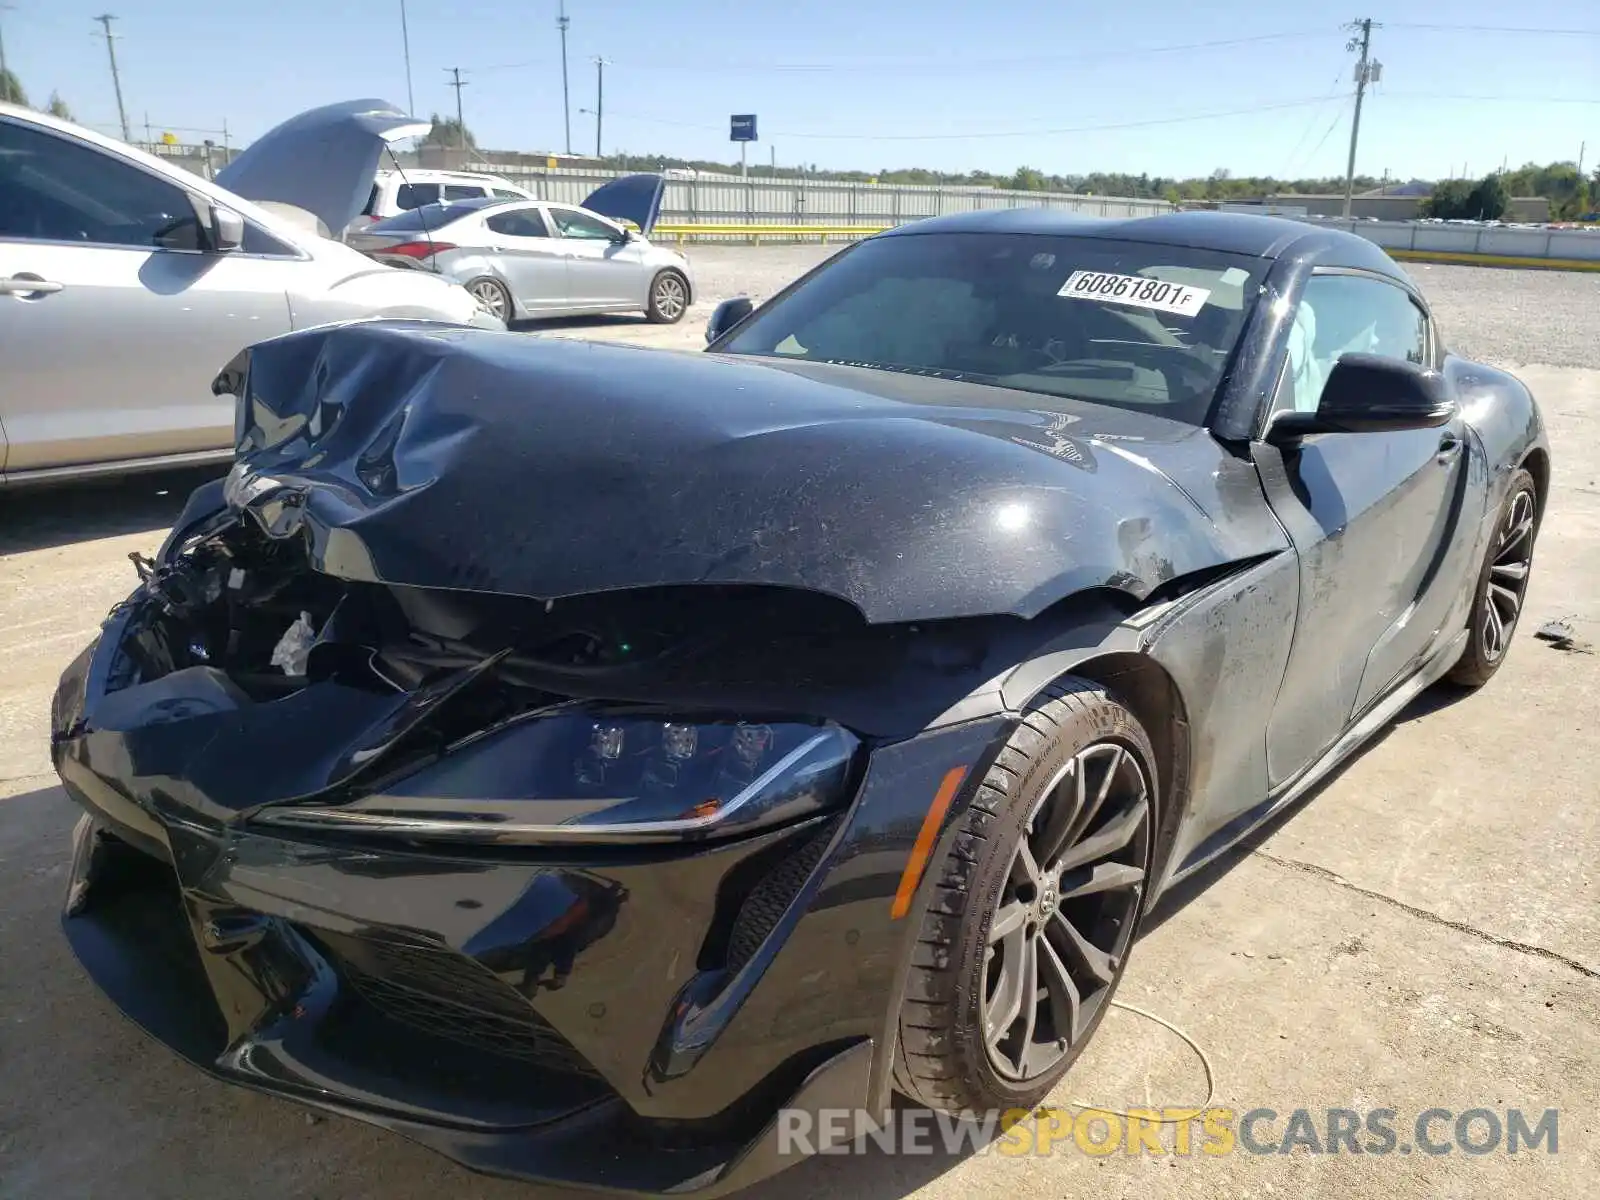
(28,285)
(1449,446)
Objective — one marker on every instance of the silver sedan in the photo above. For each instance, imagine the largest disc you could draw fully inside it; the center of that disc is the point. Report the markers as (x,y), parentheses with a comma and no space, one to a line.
(127,283)
(536,259)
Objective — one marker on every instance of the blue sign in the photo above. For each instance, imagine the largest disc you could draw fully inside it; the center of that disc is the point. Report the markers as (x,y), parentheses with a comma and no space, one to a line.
(742,127)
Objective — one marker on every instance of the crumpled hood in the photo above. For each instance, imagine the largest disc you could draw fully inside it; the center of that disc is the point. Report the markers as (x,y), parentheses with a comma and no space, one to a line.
(324,160)
(431,456)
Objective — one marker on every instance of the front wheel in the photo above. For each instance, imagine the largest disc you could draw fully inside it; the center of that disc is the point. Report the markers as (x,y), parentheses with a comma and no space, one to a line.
(669,298)
(1502,586)
(1033,911)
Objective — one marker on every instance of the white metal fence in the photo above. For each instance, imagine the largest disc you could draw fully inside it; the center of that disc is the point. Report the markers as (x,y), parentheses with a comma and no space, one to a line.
(705,198)
(1490,241)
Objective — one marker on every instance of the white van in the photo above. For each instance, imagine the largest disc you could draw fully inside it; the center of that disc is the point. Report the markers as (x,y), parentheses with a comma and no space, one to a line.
(395,192)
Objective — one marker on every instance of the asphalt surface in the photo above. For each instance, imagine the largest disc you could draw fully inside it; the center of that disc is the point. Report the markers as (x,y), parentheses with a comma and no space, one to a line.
(1424,932)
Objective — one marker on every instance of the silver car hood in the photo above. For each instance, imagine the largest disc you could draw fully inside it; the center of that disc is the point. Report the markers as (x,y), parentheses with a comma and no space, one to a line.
(322,161)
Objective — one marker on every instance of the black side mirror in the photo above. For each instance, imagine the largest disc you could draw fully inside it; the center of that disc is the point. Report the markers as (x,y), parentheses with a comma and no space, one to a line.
(728,314)
(1367,393)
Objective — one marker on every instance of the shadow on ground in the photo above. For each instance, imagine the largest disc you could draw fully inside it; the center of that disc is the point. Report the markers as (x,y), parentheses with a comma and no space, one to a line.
(38,518)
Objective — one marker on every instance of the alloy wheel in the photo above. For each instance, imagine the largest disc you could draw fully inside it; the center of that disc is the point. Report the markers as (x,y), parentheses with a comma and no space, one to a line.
(1067,912)
(670,298)
(491,295)
(1508,575)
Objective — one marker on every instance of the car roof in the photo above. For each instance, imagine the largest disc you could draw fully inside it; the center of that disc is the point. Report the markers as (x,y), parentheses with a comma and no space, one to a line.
(1231,233)
(428,175)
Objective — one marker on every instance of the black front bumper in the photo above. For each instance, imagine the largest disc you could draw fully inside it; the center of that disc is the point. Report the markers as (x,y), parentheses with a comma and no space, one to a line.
(579,1016)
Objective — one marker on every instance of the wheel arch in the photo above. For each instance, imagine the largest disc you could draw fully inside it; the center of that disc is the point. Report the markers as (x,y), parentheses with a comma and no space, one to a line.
(1536,462)
(1146,688)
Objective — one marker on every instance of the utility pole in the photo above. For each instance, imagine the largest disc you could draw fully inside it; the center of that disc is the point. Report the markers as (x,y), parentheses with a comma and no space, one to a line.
(599,100)
(566,97)
(405,41)
(461,125)
(1582,146)
(1366,72)
(105,20)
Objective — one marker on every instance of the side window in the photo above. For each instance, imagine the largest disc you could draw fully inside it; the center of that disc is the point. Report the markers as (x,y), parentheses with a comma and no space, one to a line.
(507,194)
(258,241)
(1348,314)
(55,189)
(415,195)
(463,191)
(522,223)
(574,224)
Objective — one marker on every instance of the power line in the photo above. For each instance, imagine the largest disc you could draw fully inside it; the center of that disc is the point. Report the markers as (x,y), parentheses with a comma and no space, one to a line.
(936,64)
(1334,88)
(1493,29)
(1326,134)
(1502,99)
(1005,133)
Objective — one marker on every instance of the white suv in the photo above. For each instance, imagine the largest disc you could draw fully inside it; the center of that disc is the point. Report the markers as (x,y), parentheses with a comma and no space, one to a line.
(395,192)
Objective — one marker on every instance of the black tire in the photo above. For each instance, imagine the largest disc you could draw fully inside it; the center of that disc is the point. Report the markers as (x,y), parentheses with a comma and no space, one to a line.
(493,295)
(669,298)
(1499,591)
(944,1059)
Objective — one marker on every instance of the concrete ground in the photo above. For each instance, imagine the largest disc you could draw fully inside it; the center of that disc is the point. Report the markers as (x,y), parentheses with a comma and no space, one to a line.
(1425,932)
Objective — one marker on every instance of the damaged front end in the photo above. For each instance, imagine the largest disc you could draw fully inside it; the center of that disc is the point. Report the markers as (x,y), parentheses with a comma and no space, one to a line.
(525,746)
(580,890)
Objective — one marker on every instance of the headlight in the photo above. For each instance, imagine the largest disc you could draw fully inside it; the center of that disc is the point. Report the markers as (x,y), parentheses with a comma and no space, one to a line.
(615,775)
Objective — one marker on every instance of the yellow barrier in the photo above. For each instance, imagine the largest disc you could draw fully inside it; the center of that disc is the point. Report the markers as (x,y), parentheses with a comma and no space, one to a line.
(755,233)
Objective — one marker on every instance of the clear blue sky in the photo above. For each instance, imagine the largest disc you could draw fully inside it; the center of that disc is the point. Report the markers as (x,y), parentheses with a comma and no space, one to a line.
(867,83)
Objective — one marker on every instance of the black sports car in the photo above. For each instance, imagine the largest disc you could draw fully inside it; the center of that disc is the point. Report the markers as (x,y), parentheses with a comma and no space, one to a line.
(570,755)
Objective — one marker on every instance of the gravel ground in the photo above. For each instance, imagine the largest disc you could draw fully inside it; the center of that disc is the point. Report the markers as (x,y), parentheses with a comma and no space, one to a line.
(1505,317)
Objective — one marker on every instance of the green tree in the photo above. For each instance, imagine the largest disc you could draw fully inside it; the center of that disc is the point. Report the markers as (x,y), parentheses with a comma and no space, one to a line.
(11,88)
(58,108)
(447,131)
(1027,180)
(1488,201)
(1449,200)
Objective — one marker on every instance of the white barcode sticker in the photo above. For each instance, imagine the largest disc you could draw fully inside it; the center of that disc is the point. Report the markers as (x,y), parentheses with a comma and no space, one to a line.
(1140,291)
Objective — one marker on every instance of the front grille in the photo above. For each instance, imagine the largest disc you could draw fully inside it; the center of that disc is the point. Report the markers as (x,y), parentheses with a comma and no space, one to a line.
(443,993)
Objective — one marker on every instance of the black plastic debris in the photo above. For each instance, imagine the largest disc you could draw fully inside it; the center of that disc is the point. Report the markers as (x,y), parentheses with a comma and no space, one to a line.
(1560,634)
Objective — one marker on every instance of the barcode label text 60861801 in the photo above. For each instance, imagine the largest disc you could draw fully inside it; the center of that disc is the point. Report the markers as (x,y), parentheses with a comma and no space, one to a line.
(1140,291)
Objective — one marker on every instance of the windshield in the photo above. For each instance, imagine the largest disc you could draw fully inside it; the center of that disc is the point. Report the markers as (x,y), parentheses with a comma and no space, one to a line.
(429,216)
(1138,326)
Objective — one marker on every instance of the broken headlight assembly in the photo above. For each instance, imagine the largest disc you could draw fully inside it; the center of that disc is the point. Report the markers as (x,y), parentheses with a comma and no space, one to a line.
(584,773)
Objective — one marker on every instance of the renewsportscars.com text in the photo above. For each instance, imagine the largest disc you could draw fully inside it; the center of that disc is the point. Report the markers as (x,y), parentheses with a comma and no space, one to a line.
(1211,1132)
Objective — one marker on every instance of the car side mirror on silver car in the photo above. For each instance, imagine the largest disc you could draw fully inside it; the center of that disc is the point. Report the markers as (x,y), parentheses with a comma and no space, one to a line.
(1369,393)
(728,314)
(227,229)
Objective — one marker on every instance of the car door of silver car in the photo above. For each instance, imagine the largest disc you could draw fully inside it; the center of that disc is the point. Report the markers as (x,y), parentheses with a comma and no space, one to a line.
(604,272)
(533,261)
(114,315)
